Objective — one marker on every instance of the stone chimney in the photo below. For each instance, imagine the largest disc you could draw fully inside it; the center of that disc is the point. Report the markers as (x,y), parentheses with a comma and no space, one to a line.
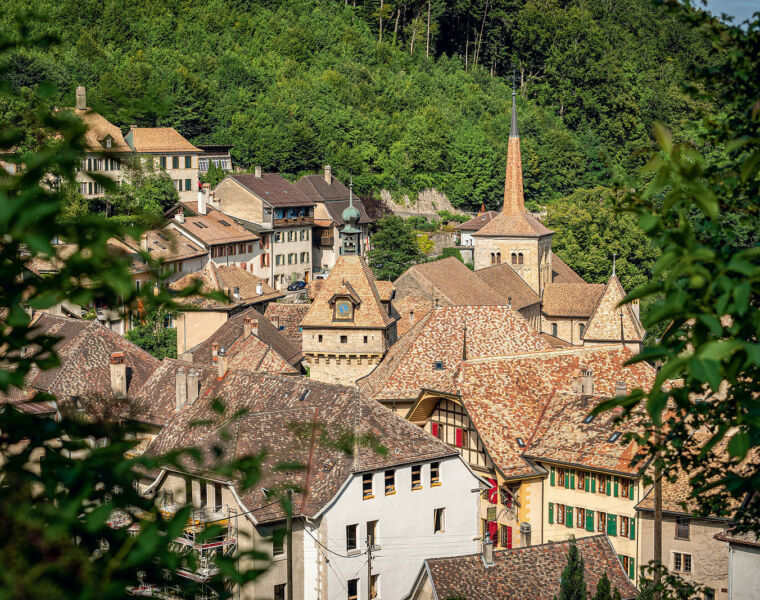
(488,551)
(180,215)
(181,380)
(226,291)
(257,172)
(247,327)
(119,374)
(328,174)
(587,382)
(221,364)
(214,351)
(193,386)
(255,327)
(144,241)
(81,98)
(621,389)
(201,203)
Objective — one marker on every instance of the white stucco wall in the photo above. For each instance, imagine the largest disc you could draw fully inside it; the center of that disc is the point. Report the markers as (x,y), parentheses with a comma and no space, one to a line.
(744,573)
(405,531)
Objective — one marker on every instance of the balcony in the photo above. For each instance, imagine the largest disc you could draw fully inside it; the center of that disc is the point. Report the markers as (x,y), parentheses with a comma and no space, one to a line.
(294,222)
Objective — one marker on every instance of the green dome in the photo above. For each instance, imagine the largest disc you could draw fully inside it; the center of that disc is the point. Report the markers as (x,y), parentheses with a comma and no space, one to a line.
(351,215)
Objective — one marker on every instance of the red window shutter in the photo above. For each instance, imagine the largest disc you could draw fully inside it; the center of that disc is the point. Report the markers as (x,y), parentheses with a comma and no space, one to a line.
(458,441)
(509,537)
(493,531)
(434,429)
(493,492)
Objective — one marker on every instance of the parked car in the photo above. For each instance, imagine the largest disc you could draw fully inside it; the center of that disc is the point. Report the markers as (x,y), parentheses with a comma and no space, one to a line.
(296,285)
(323,275)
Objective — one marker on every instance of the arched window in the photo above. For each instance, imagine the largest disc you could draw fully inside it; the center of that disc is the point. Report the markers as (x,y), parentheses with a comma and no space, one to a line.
(554,329)
(520,259)
(493,258)
(498,257)
(581,329)
(514,258)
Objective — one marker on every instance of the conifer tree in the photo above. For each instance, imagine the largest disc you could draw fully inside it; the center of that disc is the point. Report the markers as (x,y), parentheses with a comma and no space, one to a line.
(603,589)
(572,583)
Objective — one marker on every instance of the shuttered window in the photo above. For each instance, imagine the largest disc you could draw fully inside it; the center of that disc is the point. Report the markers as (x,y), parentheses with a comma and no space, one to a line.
(633,528)
(551,513)
(458,439)
(551,476)
(569,516)
(616,487)
(612,525)
(589,520)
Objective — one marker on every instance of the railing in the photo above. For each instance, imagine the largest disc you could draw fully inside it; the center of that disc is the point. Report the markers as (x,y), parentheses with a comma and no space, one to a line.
(326,241)
(294,221)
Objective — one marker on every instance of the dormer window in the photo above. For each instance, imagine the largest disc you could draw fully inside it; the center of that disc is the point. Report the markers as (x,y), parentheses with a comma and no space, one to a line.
(614,437)
(108,142)
(438,365)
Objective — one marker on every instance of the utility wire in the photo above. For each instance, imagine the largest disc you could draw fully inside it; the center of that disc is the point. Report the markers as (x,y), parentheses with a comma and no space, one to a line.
(333,551)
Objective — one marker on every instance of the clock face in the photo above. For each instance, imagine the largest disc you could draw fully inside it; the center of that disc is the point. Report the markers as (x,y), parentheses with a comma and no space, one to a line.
(344,309)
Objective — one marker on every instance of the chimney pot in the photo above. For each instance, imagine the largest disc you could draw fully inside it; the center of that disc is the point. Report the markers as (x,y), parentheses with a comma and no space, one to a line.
(222,364)
(255,327)
(246,327)
(81,98)
(201,203)
(144,241)
(118,374)
(214,351)
(181,380)
(257,172)
(488,550)
(259,289)
(193,387)
(328,174)
(180,215)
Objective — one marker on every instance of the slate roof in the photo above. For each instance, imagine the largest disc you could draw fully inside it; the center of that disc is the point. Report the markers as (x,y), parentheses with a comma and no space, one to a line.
(531,573)
(274,189)
(280,415)
(562,273)
(270,350)
(518,224)
(214,227)
(98,127)
(354,271)
(409,365)
(159,139)
(503,279)
(287,319)
(478,221)
(452,281)
(572,299)
(317,189)
(215,278)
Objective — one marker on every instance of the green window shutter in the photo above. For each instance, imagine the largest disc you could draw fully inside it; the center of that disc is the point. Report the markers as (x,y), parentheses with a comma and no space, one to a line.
(569,516)
(551,478)
(630,490)
(609,487)
(586,482)
(572,480)
(633,528)
(551,513)
(631,569)
(616,487)
(589,520)
(611,524)
(593,484)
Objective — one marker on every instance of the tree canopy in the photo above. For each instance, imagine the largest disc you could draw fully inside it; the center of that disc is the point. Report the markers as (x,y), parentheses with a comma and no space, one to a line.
(395,248)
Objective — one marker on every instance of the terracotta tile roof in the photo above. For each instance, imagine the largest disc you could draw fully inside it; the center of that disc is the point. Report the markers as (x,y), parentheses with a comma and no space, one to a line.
(274,189)
(167,245)
(385,290)
(215,278)
(562,273)
(507,284)
(159,139)
(746,538)
(452,282)
(572,299)
(41,265)
(555,342)
(354,271)
(605,322)
(279,416)
(478,221)
(317,189)
(531,573)
(98,127)
(520,224)
(214,227)
(287,319)
(410,365)
(268,348)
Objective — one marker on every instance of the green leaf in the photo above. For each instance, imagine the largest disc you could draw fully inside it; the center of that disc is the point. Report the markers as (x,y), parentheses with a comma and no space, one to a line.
(739,445)
(663,136)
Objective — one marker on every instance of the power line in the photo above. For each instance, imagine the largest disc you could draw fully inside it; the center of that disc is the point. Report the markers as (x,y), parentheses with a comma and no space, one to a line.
(333,551)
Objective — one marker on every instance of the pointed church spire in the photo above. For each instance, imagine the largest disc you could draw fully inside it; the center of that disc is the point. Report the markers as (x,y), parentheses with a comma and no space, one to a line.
(514,201)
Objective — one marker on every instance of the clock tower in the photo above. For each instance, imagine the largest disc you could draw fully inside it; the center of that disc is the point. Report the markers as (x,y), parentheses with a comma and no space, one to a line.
(350,234)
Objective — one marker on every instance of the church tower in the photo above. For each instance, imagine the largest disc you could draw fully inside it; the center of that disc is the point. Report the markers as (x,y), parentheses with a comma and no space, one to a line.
(515,236)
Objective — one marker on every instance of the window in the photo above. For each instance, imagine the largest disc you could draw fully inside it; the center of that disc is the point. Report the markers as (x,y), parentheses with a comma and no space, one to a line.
(303,234)
(498,258)
(682,528)
(581,480)
(188,185)
(217,497)
(554,329)
(505,535)
(520,442)
(108,142)
(626,488)
(374,586)
(188,490)
(581,329)
(614,437)
(560,513)
(304,257)
(601,522)
(372,531)
(604,482)
(290,235)
(279,592)
(520,259)
(278,542)
(435,474)
(580,519)
(319,338)
(439,518)
(188,162)
(436,430)
(365,339)
(278,259)
(175,162)
(278,236)
(438,365)
(203,494)
(344,339)
(625,526)
(514,258)
(417,477)
(351,538)
(390,482)
(367,486)
(561,475)
(353,589)
(682,562)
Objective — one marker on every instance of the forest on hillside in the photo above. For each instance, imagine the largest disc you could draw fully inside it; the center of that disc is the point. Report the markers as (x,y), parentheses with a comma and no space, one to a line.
(402,94)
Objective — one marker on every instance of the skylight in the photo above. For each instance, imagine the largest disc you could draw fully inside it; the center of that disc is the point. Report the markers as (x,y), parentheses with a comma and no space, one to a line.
(521,442)
(588,419)
(225,223)
(438,365)
(614,437)
(304,395)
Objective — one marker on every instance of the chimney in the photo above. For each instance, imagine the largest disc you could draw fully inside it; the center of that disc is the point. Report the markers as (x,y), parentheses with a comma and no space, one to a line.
(81,98)
(620,389)
(328,174)
(212,200)
(221,364)
(201,203)
(144,241)
(193,386)
(227,293)
(236,293)
(181,380)
(247,327)
(255,327)
(119,374)
(180,215)
(587,382)
(259,289)
(257,172)
(214,351)
(488,551)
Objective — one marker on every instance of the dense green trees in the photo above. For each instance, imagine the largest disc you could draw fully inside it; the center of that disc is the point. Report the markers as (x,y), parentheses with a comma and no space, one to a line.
(394,248)
(294,85)
(151,333)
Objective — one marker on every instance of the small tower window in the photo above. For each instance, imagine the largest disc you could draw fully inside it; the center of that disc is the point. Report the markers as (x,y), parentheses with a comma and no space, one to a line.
(554,329)
(493,258)
(514,258)
(581,329)
(520,259)
(498,258)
